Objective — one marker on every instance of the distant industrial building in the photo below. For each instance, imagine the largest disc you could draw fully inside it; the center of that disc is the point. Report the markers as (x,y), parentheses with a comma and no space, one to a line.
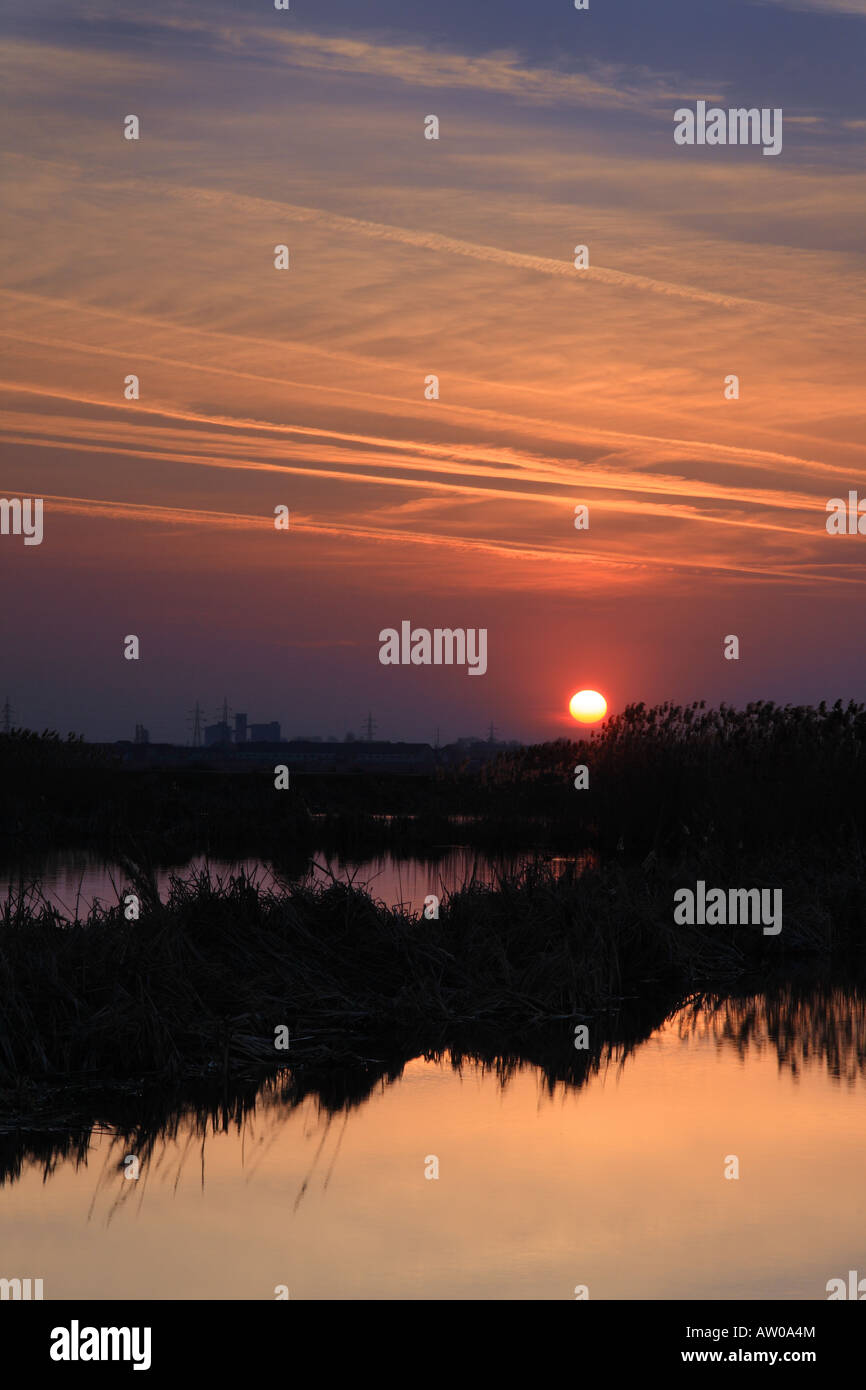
(215,734)
(311,755)
(265,733)
(241,734)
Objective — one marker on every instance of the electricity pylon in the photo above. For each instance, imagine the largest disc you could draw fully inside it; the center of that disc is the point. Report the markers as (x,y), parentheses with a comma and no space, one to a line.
(197,717)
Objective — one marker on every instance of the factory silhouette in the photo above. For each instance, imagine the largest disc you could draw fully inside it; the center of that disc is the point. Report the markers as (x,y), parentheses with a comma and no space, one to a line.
(233,742)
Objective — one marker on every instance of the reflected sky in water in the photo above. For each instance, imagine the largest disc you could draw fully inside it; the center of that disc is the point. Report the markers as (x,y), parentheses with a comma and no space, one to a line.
(71,880)
(617,1184)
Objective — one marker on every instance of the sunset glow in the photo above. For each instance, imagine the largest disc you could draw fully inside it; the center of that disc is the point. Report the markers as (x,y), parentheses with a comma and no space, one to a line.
(377,382)
(430,385)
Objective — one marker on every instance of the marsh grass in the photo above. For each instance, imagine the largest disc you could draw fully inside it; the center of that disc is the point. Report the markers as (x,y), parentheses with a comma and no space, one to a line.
(197,985)
(664,779)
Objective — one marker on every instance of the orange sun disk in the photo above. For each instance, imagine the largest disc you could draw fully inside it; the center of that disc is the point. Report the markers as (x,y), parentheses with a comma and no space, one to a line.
(587,706)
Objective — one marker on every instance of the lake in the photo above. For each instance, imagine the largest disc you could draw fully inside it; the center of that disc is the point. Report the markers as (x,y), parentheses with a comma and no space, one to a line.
(618,1185)
(71,880)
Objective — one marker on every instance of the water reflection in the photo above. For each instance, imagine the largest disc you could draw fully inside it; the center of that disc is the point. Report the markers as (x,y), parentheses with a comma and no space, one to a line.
(556,1168)
(71,880)
(821,1027)
(805,1026)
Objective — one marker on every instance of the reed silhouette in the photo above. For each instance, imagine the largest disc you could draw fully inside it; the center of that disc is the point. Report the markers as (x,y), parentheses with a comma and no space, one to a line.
(201,980)
(805,1023)
(661,779)
(194,989)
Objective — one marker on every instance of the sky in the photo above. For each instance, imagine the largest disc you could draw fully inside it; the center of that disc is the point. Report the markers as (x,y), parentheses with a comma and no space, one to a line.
(409,257)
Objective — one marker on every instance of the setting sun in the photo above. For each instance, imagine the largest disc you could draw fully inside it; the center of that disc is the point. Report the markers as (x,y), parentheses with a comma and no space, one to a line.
(587,706)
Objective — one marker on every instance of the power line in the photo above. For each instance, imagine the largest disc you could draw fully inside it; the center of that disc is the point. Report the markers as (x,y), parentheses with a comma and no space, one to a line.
(197,717)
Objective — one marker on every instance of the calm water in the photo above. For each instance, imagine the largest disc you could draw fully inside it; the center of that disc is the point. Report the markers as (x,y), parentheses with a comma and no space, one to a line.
(618,1185)
(71,880)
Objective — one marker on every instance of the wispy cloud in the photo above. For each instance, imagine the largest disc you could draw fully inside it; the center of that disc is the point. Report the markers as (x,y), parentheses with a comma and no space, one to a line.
(500,71)
(148,513)
(431,241)
(855,7)
(411,259)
